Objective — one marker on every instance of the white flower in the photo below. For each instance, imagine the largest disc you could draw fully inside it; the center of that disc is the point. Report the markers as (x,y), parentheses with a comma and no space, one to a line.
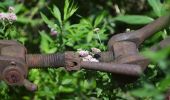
(90,58)
(96,29)
(94,60)
(95,50)
(53,32)
(87,56)
(83,53)
(3,16)
(11,9)
(8,17)
(11,17)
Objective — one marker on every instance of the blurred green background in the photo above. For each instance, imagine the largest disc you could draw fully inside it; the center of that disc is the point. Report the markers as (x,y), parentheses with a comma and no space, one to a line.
(83,24)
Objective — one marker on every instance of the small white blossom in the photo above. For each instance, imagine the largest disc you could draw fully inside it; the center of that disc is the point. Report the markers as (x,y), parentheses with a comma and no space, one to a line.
(11,17)
(8,17)
(87,56)
(94,60)
(11,9)
(2,16)
(95,50)
(53,32)
(96,29)
(83,53)
(128,30)
(90,58)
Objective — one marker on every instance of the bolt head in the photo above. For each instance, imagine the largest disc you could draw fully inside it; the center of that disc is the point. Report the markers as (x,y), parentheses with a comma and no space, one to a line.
(13,76)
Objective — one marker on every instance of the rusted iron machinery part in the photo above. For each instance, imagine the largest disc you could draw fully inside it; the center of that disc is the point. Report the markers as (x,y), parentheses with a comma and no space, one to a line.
(125,69)
(72,61)
(123,57)
(45,60)
(140,35)
(13,64)
(137,37)
(69,60)
(109,55)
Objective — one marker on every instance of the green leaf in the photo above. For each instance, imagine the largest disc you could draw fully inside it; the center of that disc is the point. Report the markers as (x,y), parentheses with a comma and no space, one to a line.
(156,6)
(18,8)
(66,7)
(147,91)
(134,19)
(47,21)
(69,9)
(57,14)
(98,20)
(165,83)
(89,36)
(45,42)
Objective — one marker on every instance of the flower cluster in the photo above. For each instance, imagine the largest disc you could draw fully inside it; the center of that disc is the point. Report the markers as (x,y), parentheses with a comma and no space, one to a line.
(9,16)
(87,55)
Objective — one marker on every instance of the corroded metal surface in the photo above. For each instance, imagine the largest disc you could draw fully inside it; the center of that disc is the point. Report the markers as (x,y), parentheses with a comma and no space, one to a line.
(123,57)
(140,35)
(107,56)
(72,61)
(125,69)
(45,60)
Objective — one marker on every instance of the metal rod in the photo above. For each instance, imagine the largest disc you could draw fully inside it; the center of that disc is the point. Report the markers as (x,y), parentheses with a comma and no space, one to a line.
(152,28)
(126,69)
(45,60)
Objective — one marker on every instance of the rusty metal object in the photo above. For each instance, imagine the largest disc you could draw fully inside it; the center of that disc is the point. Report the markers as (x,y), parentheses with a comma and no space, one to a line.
(107,56)
(13,67)
(72,61)
(127,52)
(125,69)
(29,86)
(140,35)
(123,57)
(45,60)
(13,75)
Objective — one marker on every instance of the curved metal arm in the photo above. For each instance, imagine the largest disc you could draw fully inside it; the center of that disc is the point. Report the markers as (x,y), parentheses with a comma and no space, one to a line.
(141,34)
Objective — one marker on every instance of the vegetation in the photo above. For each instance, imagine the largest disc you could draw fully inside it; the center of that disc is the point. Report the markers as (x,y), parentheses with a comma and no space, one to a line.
(62,25)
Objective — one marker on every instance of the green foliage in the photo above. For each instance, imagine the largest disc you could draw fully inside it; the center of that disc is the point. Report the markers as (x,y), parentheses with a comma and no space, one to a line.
(134,19)
(83,25)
